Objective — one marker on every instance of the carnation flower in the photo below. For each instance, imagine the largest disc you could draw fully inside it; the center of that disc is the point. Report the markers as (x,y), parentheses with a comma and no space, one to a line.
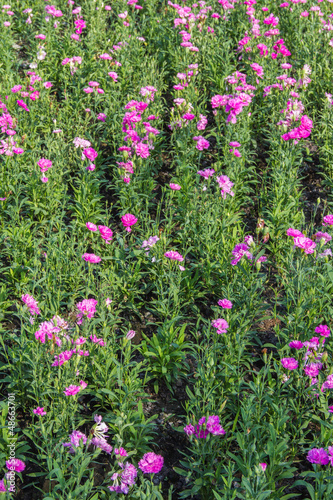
(173,255)
(318,456)
(128,220)
(323,330)
(39,411)
(221,325)
(225,304)
(175,187)
(91,257)
(15,464)
(151,463)
(296,344)
(289,363)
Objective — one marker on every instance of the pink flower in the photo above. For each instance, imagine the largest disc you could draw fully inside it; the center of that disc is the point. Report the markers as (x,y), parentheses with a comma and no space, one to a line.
(142,150)
(330,409)
(318,456)
(31,303)
(323,330)
(328,220)
(44,179)
(173,255)
(121,452)
(221,325)
(305,244)
(87,308)
(225,184)
(175,187)
(91,257)
(113,75)
(130,334)
(39,411)
(294,232)
(202,143)
(72,390)
(263,466)
(189,429)
(15,464)
(188,116)
(90,153)
(323,236)
(101,117)
(151,463)
(44,164)
(105,233)
(2,486)
(225,304)
(202,123)
(76,438)
(91,226)
(128,220)
(240,251)
(289,363)
(312,369)
(208,172)
(16,88)
(296,344)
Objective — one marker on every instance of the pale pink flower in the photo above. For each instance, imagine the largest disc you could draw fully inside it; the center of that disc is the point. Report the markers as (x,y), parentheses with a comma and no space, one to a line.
(221,325)
(91,226)
(175,187)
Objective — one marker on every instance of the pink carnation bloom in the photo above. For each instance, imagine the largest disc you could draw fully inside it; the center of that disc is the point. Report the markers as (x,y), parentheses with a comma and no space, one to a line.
(202,143)
(225,304)
(263,466)
(31,303)
(91,226)
(44,164)
(173,255)
(189,429)
(208,172)
(128,220)
(318,456)
(3,488)
(151,463)
(39,411)
(305,244)
(101,117)
(328,220)
(105,233)
(130,334)
(289,363)
(323,236)
(90,153)
(294,232)
(175,187)
(91,257)
(221,325)
(296,344)
(323,330)
(15,464)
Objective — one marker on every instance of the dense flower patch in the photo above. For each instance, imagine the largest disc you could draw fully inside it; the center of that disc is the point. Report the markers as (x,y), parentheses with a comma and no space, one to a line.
(166,249)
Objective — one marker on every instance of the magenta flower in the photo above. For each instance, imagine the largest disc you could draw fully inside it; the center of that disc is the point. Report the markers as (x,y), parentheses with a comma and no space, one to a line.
(91,226)
(72,390)
(296,344)
(214,427)
(15,464)
(91,257)
(330,409)
(323,330)
(31,303)
(3,488)
(225,184)
(328,220)
(44,164)
(221,325)
(128,220)
(76,438)
(121,452)
(101,117)
(105,233)
(208,172)
(263,466)
(202,143)
(318,456)
(90,153)
(39,411)
(175,187)
(240,251)
(173,255)
(188,116)
(312,369)
(189,429)
(294,232)
(87,308)
(289,363)
(151,463)
(225,304)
